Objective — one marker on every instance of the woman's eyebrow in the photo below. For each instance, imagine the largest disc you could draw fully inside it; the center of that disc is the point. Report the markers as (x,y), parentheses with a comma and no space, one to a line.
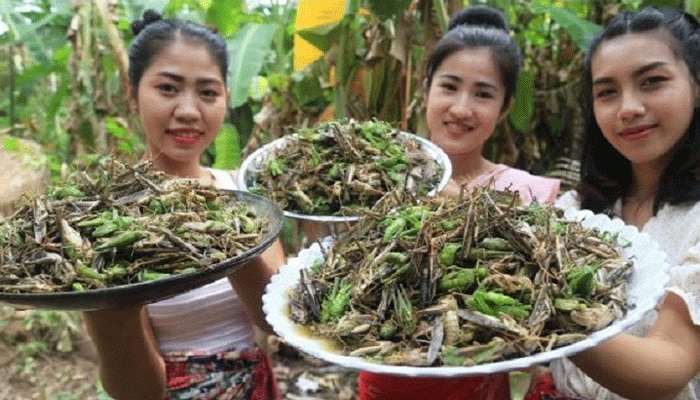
(480,84)
(636,73)
(180,78)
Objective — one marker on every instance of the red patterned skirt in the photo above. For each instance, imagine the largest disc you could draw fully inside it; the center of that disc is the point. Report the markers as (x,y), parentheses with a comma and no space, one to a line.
(225,375)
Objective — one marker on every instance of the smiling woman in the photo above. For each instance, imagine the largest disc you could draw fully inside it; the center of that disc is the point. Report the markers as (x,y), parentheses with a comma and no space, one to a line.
(201,341)
(182,101)
(469,86)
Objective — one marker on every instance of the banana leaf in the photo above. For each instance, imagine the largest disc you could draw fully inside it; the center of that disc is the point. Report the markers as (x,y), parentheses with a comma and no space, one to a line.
(580,30)
(248,47)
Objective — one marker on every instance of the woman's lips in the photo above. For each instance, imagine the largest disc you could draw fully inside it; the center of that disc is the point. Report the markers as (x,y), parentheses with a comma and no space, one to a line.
(636,132)
(185,136)
(457,129)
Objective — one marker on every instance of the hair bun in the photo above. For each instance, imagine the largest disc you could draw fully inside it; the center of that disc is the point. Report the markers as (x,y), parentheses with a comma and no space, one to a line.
(149,17)
(479,15)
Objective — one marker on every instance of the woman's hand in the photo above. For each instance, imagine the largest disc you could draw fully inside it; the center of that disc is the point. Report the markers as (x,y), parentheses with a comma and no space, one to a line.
(657,366)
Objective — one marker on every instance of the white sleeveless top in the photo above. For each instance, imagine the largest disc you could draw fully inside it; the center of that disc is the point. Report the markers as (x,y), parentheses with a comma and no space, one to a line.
(210,318)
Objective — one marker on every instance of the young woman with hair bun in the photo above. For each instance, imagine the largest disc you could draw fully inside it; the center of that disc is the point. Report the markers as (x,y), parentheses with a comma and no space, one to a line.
(200,344)
(470,81)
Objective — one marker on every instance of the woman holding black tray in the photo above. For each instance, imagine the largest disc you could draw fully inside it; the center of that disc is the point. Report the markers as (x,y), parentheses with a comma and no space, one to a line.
(200,344)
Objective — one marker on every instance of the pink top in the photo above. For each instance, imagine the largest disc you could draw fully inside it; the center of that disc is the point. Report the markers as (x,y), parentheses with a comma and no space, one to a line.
(531,188)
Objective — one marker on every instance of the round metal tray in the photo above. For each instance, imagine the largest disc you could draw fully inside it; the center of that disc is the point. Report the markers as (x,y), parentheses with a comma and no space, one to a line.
(149,292)
(252,163)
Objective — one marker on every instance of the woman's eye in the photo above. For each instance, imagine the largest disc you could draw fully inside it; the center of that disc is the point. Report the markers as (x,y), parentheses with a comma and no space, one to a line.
(653,80)
(210,94)
(604,93)
(167,88)
(485,95)
(449,86)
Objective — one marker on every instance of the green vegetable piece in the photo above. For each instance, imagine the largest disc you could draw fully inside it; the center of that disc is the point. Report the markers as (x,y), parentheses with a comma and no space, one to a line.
(499,298)
(247,224)
(462,280)
(64,192)
(77,287)
(121,240)
(87,272)
(105,229)
(396,273)
(336,302)
(148,275)
(395,258)
(568,304)
(394,229)
(388,330)
(276,167)
(116,271)
(95,222)
(581,281)
(157,206)
(450,356)
(495,304)
(448,255)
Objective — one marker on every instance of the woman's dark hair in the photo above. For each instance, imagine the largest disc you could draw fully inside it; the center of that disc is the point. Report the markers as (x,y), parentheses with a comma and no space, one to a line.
(479,26)
(153,33)
(606,174)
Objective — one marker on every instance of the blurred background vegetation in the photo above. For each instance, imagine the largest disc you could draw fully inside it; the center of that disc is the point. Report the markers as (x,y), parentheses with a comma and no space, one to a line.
(63,84)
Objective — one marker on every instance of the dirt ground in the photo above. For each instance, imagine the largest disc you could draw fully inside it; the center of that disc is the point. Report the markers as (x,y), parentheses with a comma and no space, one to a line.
(52,375)
(27,373)
(74,377)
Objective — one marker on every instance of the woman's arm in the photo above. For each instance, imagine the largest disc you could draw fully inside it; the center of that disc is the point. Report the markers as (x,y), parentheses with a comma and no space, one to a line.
(249,282)
(130,364)
(657,366)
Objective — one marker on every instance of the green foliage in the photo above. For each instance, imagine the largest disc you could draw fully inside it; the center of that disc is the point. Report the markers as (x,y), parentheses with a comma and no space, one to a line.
(41,97)
(523,111)
(580,30)
(227,16)
(227,148)
(251,44)
(52,329)
(388,9)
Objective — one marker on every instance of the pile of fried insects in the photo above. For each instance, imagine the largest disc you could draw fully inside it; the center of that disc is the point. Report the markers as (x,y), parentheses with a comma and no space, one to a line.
(459,282)
(341,167)
(114,224)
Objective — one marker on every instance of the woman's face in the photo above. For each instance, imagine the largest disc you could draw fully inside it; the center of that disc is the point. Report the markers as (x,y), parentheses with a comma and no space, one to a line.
(465,102)
(182,101)
(643,96)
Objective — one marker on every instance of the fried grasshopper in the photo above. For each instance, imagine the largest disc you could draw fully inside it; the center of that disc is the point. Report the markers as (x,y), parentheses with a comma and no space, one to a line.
(114,224)
(445,281)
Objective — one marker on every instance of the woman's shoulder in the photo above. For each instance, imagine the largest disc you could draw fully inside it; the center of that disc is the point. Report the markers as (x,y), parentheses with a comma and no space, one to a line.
(526,177)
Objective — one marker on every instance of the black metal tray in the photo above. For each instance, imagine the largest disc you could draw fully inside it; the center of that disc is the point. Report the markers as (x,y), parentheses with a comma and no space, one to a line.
(152,291)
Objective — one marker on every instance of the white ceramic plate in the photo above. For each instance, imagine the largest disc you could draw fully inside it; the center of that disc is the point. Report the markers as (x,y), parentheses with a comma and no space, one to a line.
(645,288)
(252,163)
